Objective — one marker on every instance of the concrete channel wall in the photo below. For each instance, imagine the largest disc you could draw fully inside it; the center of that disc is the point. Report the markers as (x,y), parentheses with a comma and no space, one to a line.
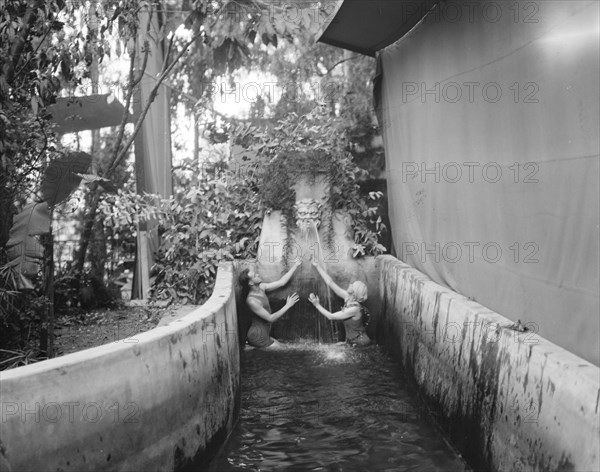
(162,400)
(509,400)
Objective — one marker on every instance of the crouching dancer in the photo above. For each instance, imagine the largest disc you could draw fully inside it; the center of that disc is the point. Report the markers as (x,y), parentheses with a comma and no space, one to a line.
(353,313)
(254,292)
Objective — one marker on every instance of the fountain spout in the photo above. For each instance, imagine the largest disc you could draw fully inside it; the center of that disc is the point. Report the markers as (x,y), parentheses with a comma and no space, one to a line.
(280,246)
(308,213)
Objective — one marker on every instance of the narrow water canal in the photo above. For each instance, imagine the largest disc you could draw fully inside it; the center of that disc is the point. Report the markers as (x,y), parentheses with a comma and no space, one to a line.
(324,407)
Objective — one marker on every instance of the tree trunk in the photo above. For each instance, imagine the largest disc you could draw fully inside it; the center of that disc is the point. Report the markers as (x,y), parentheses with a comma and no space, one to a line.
(92,200)
(196,137)
(98,243)
(120,152)
(47,330)
(6,218)
(98,253)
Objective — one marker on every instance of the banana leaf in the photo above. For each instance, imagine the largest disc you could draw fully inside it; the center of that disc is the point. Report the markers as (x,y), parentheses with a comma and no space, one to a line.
(24,251)
(61,176)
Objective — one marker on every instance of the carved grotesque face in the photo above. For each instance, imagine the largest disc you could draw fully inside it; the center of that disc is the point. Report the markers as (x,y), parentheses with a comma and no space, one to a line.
(308,212)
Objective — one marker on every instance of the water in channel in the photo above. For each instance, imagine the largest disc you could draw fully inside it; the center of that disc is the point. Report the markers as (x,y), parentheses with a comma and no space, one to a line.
(327,407)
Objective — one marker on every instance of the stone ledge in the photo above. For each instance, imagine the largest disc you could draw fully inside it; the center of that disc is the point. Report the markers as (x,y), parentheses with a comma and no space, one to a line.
(508,400)
(165,400)
(176,313)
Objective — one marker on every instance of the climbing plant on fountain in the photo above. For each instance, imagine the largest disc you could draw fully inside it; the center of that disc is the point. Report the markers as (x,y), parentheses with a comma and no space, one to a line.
(314,145)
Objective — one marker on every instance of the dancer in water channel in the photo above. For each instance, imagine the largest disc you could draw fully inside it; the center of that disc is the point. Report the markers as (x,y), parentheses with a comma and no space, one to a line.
(254,292)
(352,313)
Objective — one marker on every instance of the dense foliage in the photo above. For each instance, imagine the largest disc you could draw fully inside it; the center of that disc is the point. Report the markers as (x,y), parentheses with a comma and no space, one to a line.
(217,209)
(49,48)
(208,219)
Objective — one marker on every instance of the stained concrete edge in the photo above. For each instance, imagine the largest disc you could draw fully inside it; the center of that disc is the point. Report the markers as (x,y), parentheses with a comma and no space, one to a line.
(508,400)
(176,314)
(165,399)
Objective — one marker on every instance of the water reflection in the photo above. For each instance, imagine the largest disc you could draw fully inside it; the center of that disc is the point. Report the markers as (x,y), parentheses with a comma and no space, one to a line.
(331,407)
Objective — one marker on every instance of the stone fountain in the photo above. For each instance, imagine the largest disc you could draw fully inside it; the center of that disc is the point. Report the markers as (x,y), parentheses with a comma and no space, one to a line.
(280,247)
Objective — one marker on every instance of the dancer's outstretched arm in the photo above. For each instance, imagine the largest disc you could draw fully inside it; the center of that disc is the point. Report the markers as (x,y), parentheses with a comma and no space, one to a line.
(283,280)
(339,291)
(343,314)
(257,308)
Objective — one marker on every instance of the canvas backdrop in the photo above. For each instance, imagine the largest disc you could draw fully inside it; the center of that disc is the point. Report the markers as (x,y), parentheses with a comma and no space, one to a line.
(493,172)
